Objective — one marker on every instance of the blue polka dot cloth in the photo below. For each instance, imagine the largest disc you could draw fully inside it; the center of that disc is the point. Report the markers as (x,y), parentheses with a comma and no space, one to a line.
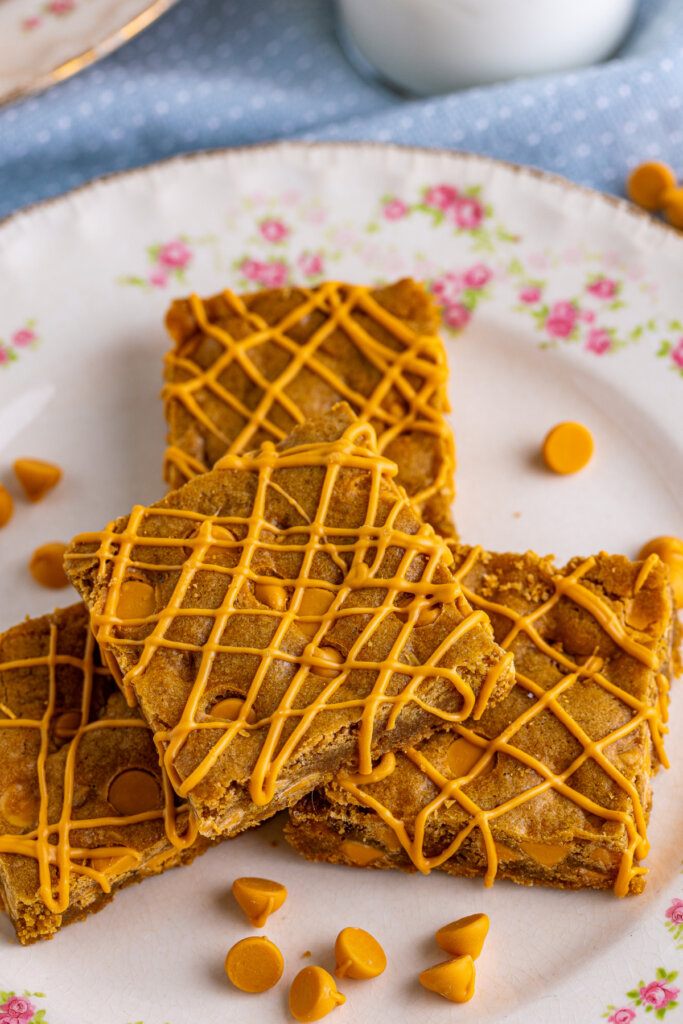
(213,73)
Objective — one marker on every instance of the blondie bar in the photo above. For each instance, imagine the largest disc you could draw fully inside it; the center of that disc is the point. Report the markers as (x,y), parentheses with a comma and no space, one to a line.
(248,369)
(551,786)
(84,809)
(283,615)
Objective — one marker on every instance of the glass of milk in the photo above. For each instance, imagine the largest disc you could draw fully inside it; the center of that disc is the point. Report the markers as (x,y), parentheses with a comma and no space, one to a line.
(433,46)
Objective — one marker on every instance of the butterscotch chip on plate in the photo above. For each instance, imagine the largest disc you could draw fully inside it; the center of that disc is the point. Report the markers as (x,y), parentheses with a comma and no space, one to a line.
(84,809)
(284,615)
(248,369)
(551,786)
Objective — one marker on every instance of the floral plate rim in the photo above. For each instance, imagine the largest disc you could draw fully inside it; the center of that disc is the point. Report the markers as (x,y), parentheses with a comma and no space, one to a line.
(99,49)
(618,203)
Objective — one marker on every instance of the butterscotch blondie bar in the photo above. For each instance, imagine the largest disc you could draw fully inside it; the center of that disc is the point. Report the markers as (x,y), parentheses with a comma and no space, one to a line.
(248,369)
(551,786)
(84,809)
(283,615)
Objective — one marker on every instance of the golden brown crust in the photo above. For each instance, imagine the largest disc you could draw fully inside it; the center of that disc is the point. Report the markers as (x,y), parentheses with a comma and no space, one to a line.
(244,370)
(592,645)
(317,519)
(58,703)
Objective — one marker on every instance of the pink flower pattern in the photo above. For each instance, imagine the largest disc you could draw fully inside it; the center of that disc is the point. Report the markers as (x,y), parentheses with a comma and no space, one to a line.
(468,213)
(657,994)
(561,320)
(60,7)
(598,341)
(271,275)
(158,278)
(175,255)
(274,230)
(603,288)
(457,315)
(169,261)
(23,337)
(675,912)
(477,277)
(624,1015)
(17,1011)
(677,354)
(395,209)
(441,197)
(29,24)
(459,293)
(530,295)
(311,264)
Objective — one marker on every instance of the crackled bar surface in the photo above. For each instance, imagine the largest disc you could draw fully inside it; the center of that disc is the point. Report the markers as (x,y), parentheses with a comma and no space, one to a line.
(248,369)
(84,809)
(284,615)
(551,786)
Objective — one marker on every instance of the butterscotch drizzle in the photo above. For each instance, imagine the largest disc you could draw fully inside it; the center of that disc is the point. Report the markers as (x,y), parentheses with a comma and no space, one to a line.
(122,554)
(49,844)
(409,396)
(450,790)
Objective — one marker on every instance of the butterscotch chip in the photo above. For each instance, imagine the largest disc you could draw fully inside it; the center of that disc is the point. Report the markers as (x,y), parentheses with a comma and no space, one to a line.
(244,370)
(462,756)
(670,550)
(52,663)
(66,725)
(258,898)
(313,994)
(135,791)
(6,506)
(47,567)
(452,979)
(559,771)
(345,680)
(254,964)
(332,662)
(230,710)
(136,600)
(19,804)
(37,477)
(465,936)
(358,955)
(359,853)
(271,595)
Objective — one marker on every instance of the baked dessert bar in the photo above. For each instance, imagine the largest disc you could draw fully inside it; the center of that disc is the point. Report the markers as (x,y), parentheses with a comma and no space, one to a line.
(248,369)
(552,786)
(84,810)
(284,615)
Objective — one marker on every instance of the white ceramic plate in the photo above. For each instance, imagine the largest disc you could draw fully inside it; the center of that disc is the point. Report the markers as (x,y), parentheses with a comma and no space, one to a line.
(572,305)
(46,41)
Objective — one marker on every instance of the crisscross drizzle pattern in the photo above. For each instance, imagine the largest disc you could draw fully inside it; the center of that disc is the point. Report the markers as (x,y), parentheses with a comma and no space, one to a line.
(49,843)
(342,629)
(402,391)
(641,711)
